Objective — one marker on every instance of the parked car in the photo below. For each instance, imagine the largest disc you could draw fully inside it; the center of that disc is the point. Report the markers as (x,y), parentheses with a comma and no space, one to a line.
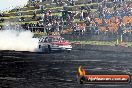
(54,43)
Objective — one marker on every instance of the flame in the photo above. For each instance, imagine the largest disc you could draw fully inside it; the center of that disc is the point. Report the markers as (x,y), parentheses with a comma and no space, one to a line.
(81,71)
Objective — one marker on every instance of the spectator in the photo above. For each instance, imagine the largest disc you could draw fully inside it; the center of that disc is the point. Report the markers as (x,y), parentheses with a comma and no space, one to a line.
(52,23)
(42,8)
(1,14)
(22,19)
(2,20)
(34,15)
(81,16)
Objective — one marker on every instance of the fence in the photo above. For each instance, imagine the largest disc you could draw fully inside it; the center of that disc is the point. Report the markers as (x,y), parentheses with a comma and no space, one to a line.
(101,37)
(88,35)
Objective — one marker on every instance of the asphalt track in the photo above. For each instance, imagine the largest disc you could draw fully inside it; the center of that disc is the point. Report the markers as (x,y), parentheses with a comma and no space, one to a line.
(58,70)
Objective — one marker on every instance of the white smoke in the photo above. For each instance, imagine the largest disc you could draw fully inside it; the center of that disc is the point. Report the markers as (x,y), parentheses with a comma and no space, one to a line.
(10,4)
(18,40)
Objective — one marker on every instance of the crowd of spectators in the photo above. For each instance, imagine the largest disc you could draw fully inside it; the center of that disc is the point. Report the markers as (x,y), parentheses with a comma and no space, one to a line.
(2,19)
(116,19)
(34,3)
(47,23)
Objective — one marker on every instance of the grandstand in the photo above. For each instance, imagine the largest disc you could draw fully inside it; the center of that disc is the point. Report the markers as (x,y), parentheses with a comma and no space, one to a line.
(72,16)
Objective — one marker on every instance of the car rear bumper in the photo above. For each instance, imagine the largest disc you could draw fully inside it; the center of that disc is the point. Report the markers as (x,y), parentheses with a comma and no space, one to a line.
(53,49)
(69,47)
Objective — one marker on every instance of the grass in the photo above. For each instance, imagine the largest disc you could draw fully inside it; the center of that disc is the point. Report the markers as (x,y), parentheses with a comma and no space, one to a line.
(112,43)
(17,16)
(54,8)
(128,44)
(83,5)
(14,23)
(38,35)
(25,11)
(57,14)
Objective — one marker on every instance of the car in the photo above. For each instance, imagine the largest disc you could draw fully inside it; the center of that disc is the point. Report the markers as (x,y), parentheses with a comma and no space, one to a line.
(54,43)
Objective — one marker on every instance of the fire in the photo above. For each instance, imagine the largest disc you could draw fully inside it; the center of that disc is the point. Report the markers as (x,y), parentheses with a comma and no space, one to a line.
(81,71)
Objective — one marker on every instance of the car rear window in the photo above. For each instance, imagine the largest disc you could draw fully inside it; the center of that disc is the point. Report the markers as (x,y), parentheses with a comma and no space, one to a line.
(55,39)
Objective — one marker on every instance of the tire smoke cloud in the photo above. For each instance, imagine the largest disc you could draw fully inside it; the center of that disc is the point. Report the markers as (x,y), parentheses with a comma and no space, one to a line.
(18,40)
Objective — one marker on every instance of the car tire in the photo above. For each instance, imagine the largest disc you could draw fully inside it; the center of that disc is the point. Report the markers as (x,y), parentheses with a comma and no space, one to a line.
(68,51)
(1,56)
(48,49)
(43,49)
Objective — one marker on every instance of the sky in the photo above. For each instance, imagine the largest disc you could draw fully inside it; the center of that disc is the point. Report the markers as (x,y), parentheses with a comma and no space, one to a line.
(10,4)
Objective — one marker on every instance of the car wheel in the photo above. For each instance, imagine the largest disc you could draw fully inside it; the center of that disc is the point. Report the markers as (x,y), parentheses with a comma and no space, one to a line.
(48,49)
(68,51)
(39,46)
(1,56)
(43,49)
